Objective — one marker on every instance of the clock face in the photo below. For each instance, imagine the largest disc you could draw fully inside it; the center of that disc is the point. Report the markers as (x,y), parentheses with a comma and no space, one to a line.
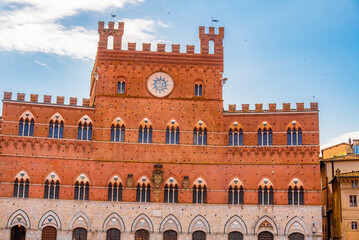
(160,84)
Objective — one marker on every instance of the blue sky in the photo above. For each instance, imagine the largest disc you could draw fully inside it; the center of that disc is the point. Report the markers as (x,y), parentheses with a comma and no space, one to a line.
(275,51)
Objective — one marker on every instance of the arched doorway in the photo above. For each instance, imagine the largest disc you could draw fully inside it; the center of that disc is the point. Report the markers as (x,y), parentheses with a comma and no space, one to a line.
(18,233)
(199,235)
(113,234)
(48,233)
(265,236)
(235,236)
(142,234)
(170,235)
(296,236)
(79,234)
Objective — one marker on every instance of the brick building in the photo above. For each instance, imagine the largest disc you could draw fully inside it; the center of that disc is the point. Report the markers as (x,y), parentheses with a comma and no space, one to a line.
(153,155)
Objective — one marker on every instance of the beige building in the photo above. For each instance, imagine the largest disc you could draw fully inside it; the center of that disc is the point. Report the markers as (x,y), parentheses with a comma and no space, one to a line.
(340,192)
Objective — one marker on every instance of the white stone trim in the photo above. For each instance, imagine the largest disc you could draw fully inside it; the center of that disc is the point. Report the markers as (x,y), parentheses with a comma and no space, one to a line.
(230,225)
(199,219)
(119,223)
(19,217)
(140,217)
(50,215)
(87,226)
(168,218)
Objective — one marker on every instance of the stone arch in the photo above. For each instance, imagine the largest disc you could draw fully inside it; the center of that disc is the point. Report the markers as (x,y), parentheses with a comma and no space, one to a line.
(235,223)
(19,217)
(52,176)
(85,119)
(273,228)
(199,223)
(142,221)
(50,218)
(80,220)
(296,224)
(57,117)
(170,223)
(113,221)
(27,115)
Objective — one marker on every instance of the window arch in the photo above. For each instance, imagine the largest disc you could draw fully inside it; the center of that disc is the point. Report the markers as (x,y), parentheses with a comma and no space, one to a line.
(171,191)
(56,126)
(235,192)
(265,192)
(82,188)
(85,128)
(115,189)
(21,185)
(265,134)
(200,134)
(143,192)
(145,131)
(235,134)
(52,186)
(294,134)
(295,192)
(118,130)
(199,191)
(172,132)
(121,87)
(26,124)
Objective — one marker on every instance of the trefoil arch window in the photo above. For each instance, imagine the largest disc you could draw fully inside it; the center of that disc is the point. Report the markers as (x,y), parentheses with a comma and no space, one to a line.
(115,189)
(145,131)
(118,130)
(171,191)
(172,132)
(85,128)
(82,188)
(235,192)
(199,191)
(265,134)
(235,136)
(294,134)
(200,134)
(265,192)
(295,192)
(21,185)
(143,191)
(26,124)
(52,186)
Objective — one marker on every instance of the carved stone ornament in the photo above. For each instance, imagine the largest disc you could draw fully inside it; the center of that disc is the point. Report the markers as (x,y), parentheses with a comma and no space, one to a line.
(157,178)
(129,180)
(185,183)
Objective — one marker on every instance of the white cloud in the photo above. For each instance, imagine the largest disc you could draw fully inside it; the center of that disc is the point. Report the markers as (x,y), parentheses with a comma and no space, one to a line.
(342,138)
(41,63)
(34,26)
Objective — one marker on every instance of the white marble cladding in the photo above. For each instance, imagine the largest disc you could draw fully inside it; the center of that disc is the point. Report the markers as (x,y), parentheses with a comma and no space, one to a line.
(217,220)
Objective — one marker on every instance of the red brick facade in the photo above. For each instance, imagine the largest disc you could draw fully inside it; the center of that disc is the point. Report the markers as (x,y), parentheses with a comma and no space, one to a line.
(216,163)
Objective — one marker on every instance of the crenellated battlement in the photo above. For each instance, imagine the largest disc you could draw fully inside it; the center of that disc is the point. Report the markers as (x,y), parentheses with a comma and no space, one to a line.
(205,39)
(272,107)
(47,99)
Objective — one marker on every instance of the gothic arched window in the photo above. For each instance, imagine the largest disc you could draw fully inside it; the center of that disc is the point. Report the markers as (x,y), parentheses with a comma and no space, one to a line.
(200,134)
(295,192)
(294,134)
(118,130)
(21,185)
(82,188)
(84,131)
(265,134)
(145,132)
(235,192)
(199,191)
(115,189)
(143,192)
(235,134)
(26,124)
(265,192)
